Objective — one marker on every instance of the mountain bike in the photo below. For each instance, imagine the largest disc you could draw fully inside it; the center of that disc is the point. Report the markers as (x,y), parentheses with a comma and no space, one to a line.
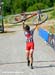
(39,17)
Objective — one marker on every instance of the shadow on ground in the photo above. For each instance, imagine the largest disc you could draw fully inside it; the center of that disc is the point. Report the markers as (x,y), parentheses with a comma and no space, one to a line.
(20,62)
(47,66)
(7,32)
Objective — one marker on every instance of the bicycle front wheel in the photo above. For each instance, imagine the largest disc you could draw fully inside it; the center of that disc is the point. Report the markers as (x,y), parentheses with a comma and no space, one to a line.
(39,19)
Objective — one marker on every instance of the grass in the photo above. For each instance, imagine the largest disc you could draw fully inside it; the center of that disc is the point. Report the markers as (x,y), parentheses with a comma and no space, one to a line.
(50,29)
(51,14)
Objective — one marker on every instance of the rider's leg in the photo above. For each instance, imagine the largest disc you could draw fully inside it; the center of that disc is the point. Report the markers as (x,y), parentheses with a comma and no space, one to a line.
(27,55)
(31,58)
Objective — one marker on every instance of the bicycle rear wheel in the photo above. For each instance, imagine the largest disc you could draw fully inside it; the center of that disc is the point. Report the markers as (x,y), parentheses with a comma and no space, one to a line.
(13,19)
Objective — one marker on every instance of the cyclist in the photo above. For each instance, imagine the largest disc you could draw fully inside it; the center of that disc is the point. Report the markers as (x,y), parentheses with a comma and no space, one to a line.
(29,44)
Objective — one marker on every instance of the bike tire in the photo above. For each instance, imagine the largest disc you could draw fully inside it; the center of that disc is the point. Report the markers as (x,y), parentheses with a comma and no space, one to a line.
(40,22)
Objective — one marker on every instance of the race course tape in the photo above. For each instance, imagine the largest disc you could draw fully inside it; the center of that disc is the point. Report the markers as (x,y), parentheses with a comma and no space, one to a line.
(44,34)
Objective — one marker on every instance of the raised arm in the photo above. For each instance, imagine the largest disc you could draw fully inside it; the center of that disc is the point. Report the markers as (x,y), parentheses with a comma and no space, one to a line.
(23,24)
(34,28)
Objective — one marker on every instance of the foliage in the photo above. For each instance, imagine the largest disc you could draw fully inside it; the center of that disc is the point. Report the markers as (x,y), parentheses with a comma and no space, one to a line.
(17,6)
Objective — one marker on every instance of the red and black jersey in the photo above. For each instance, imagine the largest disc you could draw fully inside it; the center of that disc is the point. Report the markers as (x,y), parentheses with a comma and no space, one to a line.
(29,35)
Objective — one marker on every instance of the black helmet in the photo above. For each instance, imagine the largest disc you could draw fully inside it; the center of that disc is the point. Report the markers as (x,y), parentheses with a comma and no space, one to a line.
(27,27)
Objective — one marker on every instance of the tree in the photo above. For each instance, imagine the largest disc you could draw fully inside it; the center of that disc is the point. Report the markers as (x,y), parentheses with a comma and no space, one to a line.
(17,6)
(24,5)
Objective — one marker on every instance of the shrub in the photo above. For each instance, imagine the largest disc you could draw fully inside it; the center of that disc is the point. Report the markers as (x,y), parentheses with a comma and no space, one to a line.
(37,6)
